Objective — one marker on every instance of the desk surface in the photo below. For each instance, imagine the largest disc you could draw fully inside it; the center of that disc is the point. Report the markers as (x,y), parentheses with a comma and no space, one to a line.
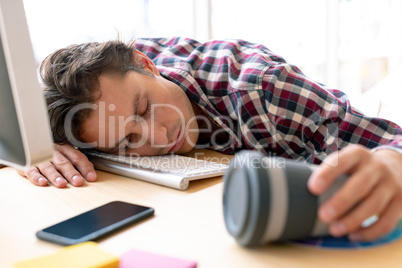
(187,224)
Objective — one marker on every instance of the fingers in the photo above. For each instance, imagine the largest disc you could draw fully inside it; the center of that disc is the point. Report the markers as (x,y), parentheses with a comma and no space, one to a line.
(375,204)
(79,161)
(34,176)
(385,224)
(365,179)
(49,171)
(62,171)
(68,165)
(334,166)
(372,188)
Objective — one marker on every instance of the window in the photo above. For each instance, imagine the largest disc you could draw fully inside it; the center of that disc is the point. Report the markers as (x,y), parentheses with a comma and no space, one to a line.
(352,45)
(56,24)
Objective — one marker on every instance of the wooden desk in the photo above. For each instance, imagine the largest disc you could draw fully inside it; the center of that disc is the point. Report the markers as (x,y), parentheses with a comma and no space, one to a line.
(187,224)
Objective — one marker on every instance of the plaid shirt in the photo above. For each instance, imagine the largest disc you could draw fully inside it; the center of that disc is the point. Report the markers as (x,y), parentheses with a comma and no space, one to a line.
(264,103)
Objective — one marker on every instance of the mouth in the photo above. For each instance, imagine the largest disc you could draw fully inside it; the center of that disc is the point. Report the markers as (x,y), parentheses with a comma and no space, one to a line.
(179,140)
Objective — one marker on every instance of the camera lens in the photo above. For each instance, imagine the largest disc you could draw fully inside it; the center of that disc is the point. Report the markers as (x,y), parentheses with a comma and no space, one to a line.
(266,199)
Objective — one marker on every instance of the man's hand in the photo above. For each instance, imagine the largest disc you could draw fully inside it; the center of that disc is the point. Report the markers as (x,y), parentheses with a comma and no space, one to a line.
(374,187)
(69,165)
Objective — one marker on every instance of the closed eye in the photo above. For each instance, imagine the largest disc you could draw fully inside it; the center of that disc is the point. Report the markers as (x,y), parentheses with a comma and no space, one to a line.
(147,110)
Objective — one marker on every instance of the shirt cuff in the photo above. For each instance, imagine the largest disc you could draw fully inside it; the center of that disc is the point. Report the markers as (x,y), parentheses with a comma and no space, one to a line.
(389,147)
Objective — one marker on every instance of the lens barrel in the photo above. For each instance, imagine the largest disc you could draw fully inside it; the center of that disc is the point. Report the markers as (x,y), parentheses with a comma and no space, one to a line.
(266,199)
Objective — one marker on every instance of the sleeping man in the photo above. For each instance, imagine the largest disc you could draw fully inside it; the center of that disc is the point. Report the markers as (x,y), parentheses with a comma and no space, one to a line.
(162,96)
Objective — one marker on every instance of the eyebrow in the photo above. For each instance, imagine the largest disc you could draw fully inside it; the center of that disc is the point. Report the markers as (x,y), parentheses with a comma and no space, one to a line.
(135,109)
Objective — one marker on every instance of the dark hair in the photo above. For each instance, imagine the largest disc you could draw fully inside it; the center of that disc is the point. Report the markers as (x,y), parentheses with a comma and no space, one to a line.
(70,77)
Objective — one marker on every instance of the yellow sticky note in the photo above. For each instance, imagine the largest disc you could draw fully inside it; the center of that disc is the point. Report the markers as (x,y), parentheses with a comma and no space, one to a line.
(82,255)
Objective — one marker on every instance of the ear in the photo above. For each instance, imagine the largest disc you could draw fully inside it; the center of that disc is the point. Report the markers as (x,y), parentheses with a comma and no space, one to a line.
(147,62)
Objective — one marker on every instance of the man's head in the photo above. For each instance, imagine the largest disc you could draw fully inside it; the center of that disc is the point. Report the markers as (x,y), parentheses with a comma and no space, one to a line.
(112,97)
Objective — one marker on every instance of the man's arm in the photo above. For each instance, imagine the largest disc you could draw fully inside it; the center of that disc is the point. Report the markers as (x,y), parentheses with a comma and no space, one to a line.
(69,165)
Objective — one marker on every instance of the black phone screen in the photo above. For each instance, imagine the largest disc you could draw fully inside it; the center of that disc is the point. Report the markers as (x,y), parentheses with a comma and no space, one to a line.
(95,223)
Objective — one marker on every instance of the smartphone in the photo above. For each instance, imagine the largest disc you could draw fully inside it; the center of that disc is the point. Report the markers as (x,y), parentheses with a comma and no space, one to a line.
(95,224)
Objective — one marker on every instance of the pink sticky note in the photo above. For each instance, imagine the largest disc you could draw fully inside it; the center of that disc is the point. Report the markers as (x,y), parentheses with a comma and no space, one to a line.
(141,259)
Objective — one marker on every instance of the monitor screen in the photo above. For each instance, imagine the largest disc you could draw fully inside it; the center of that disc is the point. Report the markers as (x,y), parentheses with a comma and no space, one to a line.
(25,137)
(11,147)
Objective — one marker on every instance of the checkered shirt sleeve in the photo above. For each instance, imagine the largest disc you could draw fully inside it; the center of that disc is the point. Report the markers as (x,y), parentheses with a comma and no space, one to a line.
(263,102)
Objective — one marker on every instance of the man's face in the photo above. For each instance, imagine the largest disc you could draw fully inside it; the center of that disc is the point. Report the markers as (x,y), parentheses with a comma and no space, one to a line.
(139,114)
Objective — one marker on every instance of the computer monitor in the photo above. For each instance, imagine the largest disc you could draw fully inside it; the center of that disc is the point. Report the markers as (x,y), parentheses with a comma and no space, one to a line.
(25,136)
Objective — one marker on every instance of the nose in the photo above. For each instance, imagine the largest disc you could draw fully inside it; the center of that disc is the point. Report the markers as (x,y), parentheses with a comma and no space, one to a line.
(151,135)
(151,138)
(158,137)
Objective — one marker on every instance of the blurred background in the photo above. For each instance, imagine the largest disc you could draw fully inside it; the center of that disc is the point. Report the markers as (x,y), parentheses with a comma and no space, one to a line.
(351,45)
